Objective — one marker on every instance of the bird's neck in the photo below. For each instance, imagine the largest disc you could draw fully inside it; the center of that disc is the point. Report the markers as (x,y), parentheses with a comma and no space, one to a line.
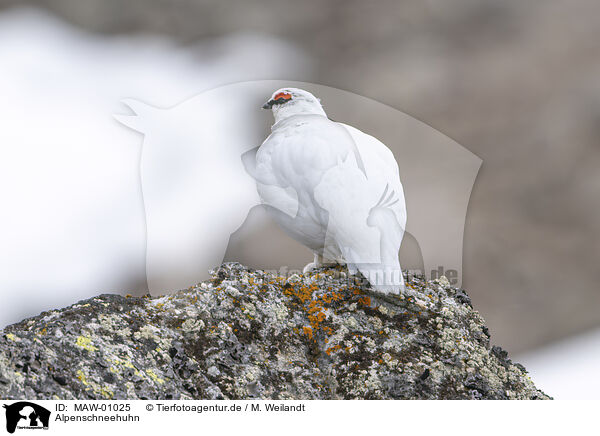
(299,108)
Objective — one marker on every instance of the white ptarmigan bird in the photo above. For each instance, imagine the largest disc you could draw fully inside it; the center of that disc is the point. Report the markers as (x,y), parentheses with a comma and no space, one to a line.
(333,188)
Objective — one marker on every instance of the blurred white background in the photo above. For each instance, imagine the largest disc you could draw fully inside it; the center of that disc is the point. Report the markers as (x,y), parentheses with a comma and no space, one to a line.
(72,222)
(567,369)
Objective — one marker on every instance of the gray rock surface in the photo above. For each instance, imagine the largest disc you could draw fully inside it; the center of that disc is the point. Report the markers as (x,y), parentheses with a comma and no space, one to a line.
(253,334)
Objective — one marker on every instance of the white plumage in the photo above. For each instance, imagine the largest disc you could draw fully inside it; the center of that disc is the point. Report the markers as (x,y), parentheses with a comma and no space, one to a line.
(333,188)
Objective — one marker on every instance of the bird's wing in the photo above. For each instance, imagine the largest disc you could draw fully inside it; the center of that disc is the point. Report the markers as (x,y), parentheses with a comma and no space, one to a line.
(272,181)
(347,196)
(295,157)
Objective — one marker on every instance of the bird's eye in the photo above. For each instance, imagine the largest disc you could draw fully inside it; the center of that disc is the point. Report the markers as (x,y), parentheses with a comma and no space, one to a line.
(283,96)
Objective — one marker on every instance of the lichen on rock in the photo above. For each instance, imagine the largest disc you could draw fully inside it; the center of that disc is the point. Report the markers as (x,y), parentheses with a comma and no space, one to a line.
(255,334)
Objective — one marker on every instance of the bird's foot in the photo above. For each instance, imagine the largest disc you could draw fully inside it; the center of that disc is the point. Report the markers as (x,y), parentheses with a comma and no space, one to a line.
(310,267)
(390,289)
(316,265)
(319,262)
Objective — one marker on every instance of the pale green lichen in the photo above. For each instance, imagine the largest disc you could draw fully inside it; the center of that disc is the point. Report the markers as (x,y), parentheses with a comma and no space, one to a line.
(96,388)
(154,377)
(192,325)
(85,342)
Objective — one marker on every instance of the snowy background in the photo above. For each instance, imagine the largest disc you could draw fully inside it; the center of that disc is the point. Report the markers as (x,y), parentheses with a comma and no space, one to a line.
(517,83)
(72,222)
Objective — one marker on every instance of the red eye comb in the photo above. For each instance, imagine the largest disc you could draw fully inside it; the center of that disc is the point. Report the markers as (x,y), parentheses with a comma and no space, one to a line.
(283,95)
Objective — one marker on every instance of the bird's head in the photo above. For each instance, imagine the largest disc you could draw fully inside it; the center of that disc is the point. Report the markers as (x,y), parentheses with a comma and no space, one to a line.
(286,102)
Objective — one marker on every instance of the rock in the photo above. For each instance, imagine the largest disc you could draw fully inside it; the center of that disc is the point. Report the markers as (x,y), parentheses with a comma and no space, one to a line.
(253,334)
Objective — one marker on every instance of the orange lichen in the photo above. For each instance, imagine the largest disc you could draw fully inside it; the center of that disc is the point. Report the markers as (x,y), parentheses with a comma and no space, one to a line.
(315,320)
(332,349)
(316,307)
(302,293)
(365,301)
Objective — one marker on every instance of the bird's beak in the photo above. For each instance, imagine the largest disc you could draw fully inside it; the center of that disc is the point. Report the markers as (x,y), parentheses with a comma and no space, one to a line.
(269,104)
